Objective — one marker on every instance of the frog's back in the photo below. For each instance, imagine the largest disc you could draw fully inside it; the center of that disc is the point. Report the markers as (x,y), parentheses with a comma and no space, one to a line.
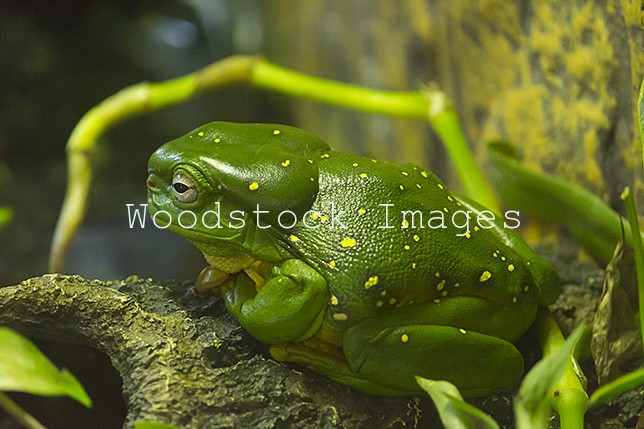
(387,256)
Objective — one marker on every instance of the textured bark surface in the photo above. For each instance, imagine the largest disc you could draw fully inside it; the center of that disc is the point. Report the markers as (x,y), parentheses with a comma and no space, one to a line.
(184,361)
(557,79)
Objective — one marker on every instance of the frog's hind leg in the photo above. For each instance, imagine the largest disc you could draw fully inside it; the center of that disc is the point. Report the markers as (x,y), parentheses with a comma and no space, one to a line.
(478,364)
(331,366)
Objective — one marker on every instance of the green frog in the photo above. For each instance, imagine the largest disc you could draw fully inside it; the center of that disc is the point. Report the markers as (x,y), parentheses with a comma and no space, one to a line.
(364,271)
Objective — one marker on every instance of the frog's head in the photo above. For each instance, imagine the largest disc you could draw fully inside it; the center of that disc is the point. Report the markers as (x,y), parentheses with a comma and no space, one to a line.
(203,177)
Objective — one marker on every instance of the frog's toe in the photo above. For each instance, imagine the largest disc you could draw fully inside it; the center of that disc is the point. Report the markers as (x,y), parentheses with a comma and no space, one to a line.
(209,279)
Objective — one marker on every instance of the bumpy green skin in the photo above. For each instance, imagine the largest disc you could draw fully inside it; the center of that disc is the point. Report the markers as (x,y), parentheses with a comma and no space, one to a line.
(366,306)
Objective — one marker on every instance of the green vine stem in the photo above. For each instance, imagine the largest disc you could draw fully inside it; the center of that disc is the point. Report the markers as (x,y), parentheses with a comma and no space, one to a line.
(26,419)
(568,397)
(138,99)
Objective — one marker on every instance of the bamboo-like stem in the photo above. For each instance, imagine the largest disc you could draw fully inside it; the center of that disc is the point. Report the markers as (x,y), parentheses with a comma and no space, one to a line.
(141,98)
(18,413)
(567,397)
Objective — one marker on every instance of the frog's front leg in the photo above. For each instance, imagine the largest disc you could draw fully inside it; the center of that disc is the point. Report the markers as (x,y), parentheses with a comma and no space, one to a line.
(383,354)
(289,307)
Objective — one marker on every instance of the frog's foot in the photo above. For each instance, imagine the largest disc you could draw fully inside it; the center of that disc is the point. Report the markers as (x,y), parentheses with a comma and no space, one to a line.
(331,365)
(210,278)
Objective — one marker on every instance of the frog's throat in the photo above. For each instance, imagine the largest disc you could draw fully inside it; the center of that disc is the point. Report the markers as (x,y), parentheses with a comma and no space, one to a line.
(227,257)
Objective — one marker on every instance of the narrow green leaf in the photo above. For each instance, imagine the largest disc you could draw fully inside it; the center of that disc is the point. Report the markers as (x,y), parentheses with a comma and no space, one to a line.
(557,200)
(532,405)
(24,368)
(617,387)
(638,251)
(454,412)
(640,111)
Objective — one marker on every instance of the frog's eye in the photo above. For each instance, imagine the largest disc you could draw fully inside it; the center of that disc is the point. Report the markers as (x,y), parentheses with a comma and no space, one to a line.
(184,189)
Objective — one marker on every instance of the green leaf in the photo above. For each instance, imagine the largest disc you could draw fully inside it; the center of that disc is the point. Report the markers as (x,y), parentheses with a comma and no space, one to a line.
(640,111)
(24,368)
(617,387)
(532,405)
(153,425)
(454,412)
(559,201)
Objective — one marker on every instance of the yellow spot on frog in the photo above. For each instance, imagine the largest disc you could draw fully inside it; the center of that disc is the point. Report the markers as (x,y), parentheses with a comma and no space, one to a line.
(312,179)
(440,186)
(334,300)
(423,173)
(332,263)
(363,175)
(286,163)
(416,237)
(462,331)
(404,338)
(405,223)
(510,267)
(348,242)
(413,265)
(340,316)
(514,299)
(476,228)
(467,234)
(457,284)
(485,276)
(444,293)
(217,140)
(437,301)
(361,211)
(503,258)
(379,303)
(406,247)
(418,186)
(371,282)
(392,301)
(445,210)
(355,164)
(253,186)
(383,293)
(402,188)
(294,238)
(527,288)
(404,173)
(315,215)
(310,161)
(324,155)
(441,285)
(200,133)
(276,132)
(324,218)
(449,197)
(437,274)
